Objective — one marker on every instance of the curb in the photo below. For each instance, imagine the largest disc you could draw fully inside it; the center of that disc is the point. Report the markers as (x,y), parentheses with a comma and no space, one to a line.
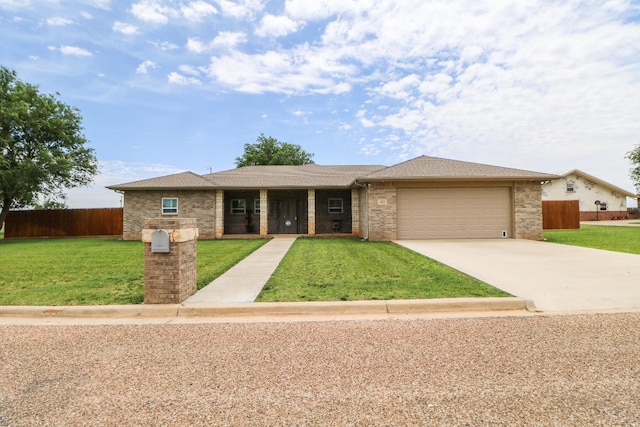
(442,305)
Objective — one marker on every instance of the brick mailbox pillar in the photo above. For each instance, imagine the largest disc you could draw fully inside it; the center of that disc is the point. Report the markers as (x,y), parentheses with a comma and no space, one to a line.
(169,268)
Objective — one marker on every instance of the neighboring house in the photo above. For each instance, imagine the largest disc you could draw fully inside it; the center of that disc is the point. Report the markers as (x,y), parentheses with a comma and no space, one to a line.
(597,199)
(422,198)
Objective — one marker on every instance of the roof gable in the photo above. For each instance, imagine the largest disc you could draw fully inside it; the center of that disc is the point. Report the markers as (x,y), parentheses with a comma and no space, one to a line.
(434,168)
(599,181)
(183,181)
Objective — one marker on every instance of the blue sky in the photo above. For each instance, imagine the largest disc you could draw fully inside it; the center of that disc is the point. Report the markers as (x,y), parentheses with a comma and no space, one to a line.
(172,85)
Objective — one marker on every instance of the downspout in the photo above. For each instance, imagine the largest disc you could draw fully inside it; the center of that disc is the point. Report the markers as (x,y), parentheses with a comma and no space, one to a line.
(366,191)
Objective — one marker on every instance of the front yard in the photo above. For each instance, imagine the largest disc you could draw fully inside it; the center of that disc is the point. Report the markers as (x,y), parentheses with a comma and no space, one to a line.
(345,269)
(95,271)
(110,271)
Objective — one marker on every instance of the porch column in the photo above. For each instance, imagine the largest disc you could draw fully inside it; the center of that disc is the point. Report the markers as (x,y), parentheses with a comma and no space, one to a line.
(264,213)
(219,214)
(355,211)
(311,211)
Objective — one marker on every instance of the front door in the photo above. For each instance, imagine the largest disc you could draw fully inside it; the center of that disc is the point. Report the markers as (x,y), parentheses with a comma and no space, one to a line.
(288,216)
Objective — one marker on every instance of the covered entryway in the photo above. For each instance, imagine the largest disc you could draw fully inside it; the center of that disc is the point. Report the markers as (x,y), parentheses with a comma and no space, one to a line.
(288,212)
(454,213)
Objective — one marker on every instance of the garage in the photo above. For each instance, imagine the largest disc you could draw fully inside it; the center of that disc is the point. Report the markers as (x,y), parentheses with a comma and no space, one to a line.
(454,213)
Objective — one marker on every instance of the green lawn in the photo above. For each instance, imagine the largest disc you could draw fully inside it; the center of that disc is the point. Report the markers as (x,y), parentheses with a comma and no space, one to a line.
(95,271)
(612,238)
(345,269)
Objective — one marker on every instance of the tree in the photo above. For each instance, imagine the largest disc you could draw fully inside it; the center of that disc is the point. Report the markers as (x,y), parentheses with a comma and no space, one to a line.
(42,146)
(270,151)
(634,156)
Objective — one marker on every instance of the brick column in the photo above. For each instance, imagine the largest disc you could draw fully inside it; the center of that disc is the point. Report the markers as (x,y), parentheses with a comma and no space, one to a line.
(311,211)
(219,214)
(170,278)
(355,211)
(264,213)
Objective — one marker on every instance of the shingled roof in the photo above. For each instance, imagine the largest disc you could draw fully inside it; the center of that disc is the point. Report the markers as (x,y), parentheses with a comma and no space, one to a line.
(305,176)
(178,181)
(434,168)
(319,176)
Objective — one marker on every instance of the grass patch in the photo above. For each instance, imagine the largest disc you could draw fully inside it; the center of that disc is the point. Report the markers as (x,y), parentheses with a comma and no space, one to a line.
(95,271)
(351,269)
(611,238)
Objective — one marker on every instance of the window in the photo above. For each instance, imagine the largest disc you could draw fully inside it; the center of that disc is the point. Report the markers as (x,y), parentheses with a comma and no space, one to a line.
(238,206)
(169,206)
(335,206)
(256,206)
(570,187)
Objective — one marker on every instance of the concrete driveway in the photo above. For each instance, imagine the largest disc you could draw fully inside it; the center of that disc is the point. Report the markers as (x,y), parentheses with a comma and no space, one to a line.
(556,277)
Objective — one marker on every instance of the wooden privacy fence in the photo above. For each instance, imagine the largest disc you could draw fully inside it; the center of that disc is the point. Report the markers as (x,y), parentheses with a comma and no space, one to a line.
(64,223)
(561,215)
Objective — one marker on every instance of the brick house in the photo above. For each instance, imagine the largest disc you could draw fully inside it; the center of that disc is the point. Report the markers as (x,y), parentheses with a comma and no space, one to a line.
(422,198)
(597,199)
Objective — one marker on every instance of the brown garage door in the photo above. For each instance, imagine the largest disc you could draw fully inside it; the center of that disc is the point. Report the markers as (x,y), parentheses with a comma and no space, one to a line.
(454,213)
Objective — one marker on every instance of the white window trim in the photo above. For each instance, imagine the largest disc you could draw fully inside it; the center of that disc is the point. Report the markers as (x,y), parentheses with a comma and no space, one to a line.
(334,209)
(165,209)
(238,211)
(573,187)
(256,206)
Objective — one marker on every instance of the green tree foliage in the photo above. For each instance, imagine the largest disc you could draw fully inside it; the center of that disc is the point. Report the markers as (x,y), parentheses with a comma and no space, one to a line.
(634,156)
(42,146)
(50,204)
(270,151)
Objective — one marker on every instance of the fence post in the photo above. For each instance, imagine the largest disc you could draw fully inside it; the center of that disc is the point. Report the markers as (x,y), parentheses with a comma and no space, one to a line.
(170,277)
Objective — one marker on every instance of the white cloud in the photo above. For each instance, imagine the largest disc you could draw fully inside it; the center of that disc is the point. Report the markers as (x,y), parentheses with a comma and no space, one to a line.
(229,39)
(145,66)
(179,79)
(86,15)
(276,26)
(100,4)
(224,39)
(189,69)
(304,70)
(124,28)
(318,10)
(152,11)
(198,10)
(363,120)
(241,9)
(72,50)
(165,45)
(196,46)
(58,21)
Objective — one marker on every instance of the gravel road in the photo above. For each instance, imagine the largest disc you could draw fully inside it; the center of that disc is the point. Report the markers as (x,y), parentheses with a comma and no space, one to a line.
(539,371)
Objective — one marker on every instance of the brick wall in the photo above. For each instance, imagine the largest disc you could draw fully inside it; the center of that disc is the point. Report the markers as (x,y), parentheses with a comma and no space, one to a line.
(355,211)
(363,212)
(382,211)
(604,215)
(248,223)
(170,278)
(324,219)
(139,205)
(528,210)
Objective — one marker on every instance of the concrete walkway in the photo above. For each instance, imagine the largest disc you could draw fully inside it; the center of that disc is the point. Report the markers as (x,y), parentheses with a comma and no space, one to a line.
(243,282)
(556,277)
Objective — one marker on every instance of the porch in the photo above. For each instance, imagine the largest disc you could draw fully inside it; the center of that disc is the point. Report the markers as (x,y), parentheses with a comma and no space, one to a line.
(264,212)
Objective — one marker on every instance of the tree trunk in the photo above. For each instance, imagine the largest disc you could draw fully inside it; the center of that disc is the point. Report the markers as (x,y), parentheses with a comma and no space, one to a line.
(6,206)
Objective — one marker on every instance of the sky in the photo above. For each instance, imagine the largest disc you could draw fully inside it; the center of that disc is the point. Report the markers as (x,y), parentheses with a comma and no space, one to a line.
(165,86)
